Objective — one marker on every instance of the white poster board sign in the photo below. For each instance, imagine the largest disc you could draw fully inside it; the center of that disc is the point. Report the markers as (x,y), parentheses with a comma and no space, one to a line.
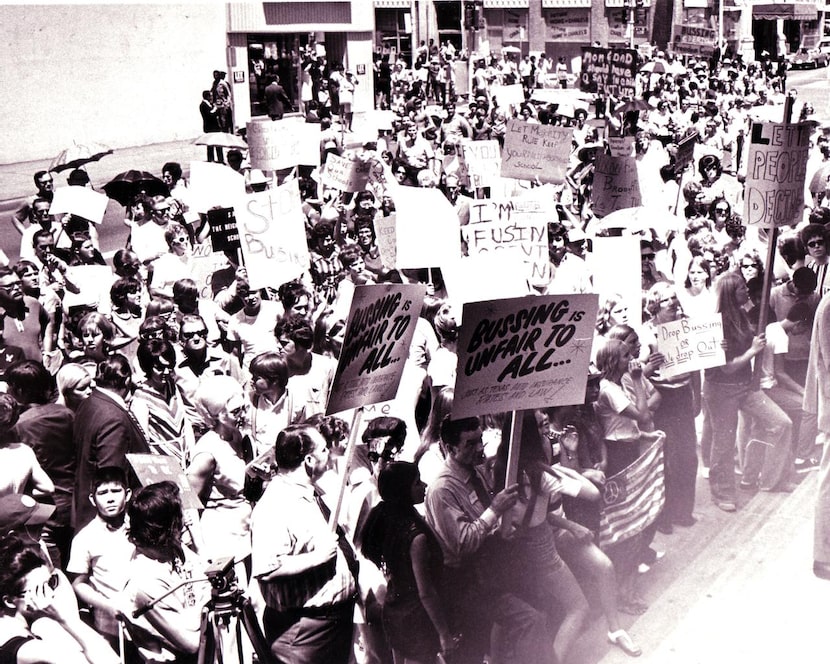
(691,345)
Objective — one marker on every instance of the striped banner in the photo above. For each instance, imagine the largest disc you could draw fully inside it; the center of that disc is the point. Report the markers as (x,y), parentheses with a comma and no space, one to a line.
(633,498)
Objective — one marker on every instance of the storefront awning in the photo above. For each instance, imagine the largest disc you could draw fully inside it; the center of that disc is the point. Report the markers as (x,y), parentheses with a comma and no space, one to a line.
(798,11)
(560,4)
(506,4)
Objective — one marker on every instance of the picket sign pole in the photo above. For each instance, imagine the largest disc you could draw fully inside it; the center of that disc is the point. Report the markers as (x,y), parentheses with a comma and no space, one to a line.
(348,458)
(772,242)
(512,471)
(240,258)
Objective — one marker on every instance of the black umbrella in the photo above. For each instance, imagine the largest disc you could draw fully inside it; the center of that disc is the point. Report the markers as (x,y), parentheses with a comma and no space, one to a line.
(125,186)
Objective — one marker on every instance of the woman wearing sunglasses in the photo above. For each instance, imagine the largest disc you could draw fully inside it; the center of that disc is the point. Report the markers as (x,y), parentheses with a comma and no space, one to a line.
(814,238)
(32,595)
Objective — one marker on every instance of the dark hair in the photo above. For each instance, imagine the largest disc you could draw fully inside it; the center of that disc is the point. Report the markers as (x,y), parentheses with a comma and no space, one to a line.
(296,328)
(270,365)
(737,330)
(451,429)
(108,475)
(792,249)
(393,427)
(174,168)
(100,321)
(704,265)
(156,519)
(18,557)
(334,429)
(40,174)
(114,373)
(290,293)
(708,161)
(183,290)
(395,482)
(31,382)
(810,231)
(349,255)
(40,234)
(150,350)
(292,446)
(9,412)
(121,288)
(804,280)
(321,230)
(119,261)
(801,312)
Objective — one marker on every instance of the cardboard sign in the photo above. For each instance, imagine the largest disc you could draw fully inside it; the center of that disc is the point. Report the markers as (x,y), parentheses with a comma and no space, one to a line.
(508,95)
(93,282)
(691,345)
(272,236)
(521,353)
(154,468)
(427,230)
(609,71)
(685,151)
(376,345)
(536,151)
(625,279)
(203,263)
(776,173)
(621,146)
(486,276)
(345,174)
(616,184)
(282,144)
(483,160)
(81,201)
(213,185)
(224,233)
(517,226)
(387,239)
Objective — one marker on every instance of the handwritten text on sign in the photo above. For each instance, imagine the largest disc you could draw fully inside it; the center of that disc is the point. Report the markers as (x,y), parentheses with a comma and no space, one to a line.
(775,173)
(517,225)
(345,174)
(521,353)
(536,151)
(615,184)
(609,71)
(691,345)
(282,144)
(376,344)
(483,160)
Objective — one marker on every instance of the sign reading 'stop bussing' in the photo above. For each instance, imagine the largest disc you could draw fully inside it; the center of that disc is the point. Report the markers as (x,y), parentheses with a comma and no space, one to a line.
(609,71)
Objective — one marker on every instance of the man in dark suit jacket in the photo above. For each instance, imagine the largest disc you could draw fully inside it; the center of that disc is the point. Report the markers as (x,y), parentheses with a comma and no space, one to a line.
(104,431)
(276,100)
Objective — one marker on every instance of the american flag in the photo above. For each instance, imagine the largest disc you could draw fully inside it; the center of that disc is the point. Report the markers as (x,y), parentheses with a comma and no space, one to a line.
(633,498)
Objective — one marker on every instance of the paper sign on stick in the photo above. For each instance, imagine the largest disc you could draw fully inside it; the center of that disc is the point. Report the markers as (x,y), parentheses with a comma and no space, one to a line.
(213,185)
(507,95)
(427,230)
(345,174)
(776,173)
(486,276)
(536,151)
(153,468)
(376,344)
(224,233)
(522,353)
(93,282)
(386,239)
(282,144)
(616,184)
(81,201)
(483,160)
(203,263)
(691,344)
(272,235)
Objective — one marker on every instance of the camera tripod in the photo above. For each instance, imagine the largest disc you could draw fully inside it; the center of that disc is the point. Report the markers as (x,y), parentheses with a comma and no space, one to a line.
(223,617)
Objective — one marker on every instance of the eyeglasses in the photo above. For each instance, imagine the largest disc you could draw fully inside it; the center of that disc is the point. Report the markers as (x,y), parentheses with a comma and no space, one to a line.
(755,265)
(721,210)
(52,583)
(646,257)
(11,286)
(815,243)
(178,240)
(196,333)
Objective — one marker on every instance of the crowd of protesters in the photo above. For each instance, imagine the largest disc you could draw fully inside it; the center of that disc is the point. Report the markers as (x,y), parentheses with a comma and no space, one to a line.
(435,554)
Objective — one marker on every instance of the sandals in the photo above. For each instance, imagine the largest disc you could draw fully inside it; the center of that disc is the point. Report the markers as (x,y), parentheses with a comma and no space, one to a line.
(632,608)
(624,642)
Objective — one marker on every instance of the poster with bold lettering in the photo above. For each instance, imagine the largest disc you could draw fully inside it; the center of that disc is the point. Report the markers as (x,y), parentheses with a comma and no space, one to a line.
(345,174)
(536,151)
(224,233)
(691,344)
(272,235)
(521,353)
(517,226)
(483,160)
(427,230)
(609,71)
(376,344)
(775,173)
(616,184)
(282,144)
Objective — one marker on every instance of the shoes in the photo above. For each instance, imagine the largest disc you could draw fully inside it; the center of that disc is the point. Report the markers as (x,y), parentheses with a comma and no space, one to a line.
(806,465)
(821,570)
(704,472)
(623,641)
(685,521)
(726,505)
(748,485)
(665,527)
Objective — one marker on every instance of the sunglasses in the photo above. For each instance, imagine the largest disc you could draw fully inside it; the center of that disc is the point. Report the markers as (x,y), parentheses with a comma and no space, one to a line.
(815,243)
(755,265)
(647,257)
(191,335)
(52,583)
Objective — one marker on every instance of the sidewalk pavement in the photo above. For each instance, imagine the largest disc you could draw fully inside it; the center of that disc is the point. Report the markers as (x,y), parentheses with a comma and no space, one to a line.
(16,180)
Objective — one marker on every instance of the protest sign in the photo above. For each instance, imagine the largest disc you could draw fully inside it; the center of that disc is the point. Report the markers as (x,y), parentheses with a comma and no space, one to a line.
(272,235)
(621,146)
(690,344)
(517,225)
(224,233)
(616,184)
(486,276)
(427,230)
(213,185)
(386,239)
(521,353)
(376,344)
(347,175)
(81,201)
(93,282)
(685,151)
(609,71)
(616,269)
(153,468)
(483,160)
(203,263)
(536,151)
(282,144)
(507,95)
(775,174)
